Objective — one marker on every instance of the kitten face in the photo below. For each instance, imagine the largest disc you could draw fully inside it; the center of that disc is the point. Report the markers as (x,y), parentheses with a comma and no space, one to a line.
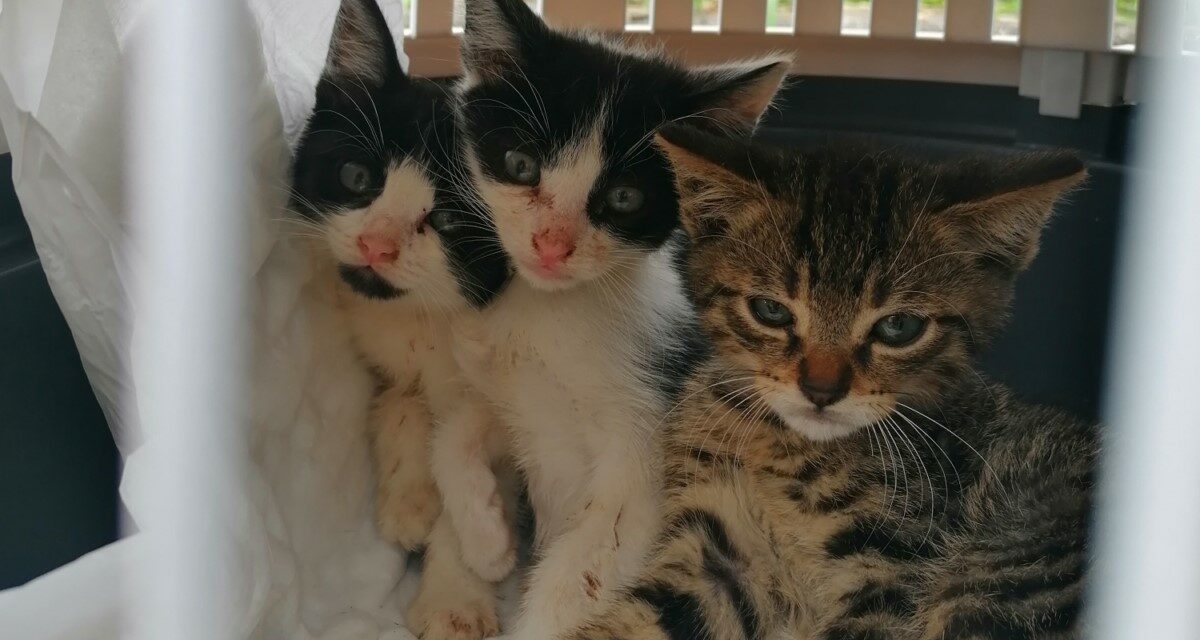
(374,172)
(559,132)
(839,285)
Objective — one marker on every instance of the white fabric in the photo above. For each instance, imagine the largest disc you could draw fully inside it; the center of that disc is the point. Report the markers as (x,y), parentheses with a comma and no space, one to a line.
(310,562)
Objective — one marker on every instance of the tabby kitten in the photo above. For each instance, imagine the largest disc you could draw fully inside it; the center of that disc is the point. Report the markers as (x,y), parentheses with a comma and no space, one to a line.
(558,130)
(839,469)
(375,176)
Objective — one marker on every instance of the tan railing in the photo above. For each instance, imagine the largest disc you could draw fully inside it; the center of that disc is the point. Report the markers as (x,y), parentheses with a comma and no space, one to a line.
(1062,53)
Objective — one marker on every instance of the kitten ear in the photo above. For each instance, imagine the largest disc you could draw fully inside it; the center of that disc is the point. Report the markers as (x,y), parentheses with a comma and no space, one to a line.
(714,177)
(493,33)
(361,48)
(1002,207)
(734,96)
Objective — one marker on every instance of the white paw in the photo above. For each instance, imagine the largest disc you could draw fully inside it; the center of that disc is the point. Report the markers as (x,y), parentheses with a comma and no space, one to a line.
(453,621)
(489,547)
(406,513)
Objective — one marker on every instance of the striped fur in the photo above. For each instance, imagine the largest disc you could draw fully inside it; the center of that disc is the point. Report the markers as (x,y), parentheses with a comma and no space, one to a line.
(937,506)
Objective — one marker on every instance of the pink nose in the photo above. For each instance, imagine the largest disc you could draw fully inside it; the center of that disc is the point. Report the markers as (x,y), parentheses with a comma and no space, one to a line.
(377,249)
(553,247)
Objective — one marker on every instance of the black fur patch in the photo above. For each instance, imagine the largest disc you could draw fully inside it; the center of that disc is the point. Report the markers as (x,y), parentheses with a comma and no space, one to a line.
(710,458)
(878,598)
(843,497)
(722,564)
(848,633)
(710,527)
(1020,588)
(985,623)
(365,282)
(680,615)
(725,574)
(865,537)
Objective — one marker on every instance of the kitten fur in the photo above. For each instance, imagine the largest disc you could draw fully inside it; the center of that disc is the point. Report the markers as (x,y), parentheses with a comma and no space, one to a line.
(375,179)
(577,354)
(904,497)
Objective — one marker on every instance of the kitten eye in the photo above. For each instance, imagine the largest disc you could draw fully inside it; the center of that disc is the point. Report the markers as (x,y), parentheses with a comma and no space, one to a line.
(442,221)
(899,329)
(522,167)
(625,199)
(770,312)
(356,177)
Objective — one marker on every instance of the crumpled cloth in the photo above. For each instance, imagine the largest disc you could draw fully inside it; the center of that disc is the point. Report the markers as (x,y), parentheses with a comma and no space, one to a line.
(309,563)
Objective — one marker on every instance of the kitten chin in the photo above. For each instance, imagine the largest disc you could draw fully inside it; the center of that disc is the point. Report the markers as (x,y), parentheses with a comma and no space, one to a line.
(819,426)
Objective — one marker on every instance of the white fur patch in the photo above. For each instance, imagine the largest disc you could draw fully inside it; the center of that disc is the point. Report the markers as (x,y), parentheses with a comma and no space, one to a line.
(565,368)
(398,213)
(558,204)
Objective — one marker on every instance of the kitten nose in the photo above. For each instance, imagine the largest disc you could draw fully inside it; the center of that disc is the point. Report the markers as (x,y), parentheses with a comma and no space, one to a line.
(824,378)
(553,247)
(376,249)
(822,396)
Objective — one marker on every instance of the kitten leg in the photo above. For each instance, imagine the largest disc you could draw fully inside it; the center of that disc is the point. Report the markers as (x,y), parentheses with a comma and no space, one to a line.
(407,499)
(709,577)
(1013,575)
(877,609)
(465,446)
(629,619)
(452,602)
(604,549)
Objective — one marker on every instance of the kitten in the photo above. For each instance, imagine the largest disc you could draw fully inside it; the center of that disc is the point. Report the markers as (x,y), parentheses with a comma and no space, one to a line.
(839,469)
(375,177)
(580,353)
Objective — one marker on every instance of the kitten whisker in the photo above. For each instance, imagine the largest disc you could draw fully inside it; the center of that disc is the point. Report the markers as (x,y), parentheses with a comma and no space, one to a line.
(903,474)
(939,454)
(982,458)
(922,469)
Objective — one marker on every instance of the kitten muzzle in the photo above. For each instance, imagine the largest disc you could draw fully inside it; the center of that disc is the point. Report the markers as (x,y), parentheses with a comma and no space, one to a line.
(553,247)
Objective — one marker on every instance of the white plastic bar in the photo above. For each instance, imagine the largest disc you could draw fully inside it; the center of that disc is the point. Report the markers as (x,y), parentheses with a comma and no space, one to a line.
(1160,27)
(743,16)
(893,18)
(1062,80)
(1083,25)
(969,20)
(818,17)
(1148,581)
(672,16)
(188,102)
(432,17)
(602,15)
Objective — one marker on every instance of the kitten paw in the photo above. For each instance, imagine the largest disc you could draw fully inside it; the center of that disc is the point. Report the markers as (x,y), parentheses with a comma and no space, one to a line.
(489,547)
(489,565)
(406,513)
(466,621)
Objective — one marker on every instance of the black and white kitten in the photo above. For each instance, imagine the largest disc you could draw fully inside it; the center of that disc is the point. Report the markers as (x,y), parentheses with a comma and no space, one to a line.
(577,355)
(374,176)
